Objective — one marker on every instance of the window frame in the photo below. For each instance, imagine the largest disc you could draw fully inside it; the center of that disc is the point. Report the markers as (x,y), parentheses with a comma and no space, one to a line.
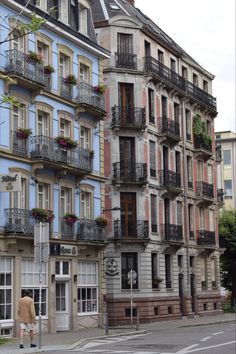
(6,288)
(86,285)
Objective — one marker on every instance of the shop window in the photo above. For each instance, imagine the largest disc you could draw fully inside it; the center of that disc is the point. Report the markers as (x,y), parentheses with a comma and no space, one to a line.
(87,287)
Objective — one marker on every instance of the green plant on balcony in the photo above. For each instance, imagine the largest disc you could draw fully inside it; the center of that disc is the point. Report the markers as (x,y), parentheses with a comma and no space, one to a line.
(157,281)
(66,142)
(101,221)
(42,215)
(70,218)
(48,69)
(34,57)
(99,89)
(23,133)
(200,130)
(70,80)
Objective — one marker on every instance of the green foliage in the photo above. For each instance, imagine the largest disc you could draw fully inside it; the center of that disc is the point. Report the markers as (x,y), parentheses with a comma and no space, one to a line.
(227,307)
(197,125)
(33,26)
(12,100)
(200,130)
(3,340)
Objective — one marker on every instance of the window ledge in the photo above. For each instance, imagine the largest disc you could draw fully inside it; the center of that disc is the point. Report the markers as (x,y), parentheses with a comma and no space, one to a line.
(169,289)
(92,313)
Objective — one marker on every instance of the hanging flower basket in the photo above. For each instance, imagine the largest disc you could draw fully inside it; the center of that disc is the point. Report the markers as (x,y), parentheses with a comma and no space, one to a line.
(48,69)
(66,142)
(42,215)
(23,134)
(157,281)
(34,57)
(70,80)
(101,221)
(99,89)
(70,218)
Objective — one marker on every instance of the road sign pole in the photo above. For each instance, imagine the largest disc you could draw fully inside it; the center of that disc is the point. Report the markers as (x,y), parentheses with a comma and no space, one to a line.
(40,283)
(131,297)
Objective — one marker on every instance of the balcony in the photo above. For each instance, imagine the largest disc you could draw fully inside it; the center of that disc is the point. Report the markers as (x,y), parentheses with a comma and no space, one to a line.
(65,89)
(51,154)
(132,118)
(171,182)
(126,60)
(202,148)
(134,232)
(204,192)
(172,234)
(218,154)
(19,146)
(200,95)
(19,221)
(89,231)
(91,100)
(164,74)
(67,230)
(169,130)
(135,173)
(206,238)
(220,197)
(28,74)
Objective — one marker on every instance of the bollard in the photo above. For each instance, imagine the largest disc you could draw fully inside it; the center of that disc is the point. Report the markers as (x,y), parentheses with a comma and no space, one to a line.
(137,321)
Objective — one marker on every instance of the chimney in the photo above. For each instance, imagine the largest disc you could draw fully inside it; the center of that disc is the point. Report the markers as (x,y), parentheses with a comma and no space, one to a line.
(132,2)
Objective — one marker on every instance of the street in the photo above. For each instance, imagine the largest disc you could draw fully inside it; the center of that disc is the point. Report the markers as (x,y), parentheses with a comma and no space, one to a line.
(216,338)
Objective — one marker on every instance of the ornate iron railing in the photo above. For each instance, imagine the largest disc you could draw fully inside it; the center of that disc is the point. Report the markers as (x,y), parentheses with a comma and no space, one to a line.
(169,127)
(218,153)
(46,148)
(133,117)
(126,60)
(171,232)
(170,179)
(200,95)
(19,146)
(200,143)
(220,195)
(204,189)
(89,230)
(66,90)
(87,94)
(134,172)
(19,221)
(205,237)
(131,230)
(67,230)
(18,64)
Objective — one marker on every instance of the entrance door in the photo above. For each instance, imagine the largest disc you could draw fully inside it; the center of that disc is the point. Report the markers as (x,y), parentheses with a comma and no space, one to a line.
(165,164)
(181,293)
(126,102)
(128,215)
(192,289)
(127,158)
(62,306)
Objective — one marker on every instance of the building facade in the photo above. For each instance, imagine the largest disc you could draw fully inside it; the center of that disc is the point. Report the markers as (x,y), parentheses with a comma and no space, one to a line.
(226,170)
(160,193)
(51,141)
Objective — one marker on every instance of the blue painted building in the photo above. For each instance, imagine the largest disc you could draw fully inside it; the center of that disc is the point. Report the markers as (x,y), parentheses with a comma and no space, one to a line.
(51,136)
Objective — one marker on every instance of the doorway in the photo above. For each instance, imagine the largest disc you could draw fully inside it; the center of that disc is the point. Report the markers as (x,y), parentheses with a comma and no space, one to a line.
(62,306)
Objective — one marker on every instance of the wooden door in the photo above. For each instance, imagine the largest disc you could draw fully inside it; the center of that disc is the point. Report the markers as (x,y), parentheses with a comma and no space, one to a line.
(126,102)
(127,158)
(128,215)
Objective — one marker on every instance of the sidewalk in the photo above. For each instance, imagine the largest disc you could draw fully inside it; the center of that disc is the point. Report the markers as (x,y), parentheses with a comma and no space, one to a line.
(70,340)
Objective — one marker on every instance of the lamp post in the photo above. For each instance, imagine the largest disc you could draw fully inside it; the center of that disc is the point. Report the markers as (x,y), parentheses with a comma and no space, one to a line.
(132,276)
(116,208)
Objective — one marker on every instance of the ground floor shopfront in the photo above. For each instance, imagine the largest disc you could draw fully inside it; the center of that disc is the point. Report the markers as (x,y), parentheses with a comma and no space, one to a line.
(72,285)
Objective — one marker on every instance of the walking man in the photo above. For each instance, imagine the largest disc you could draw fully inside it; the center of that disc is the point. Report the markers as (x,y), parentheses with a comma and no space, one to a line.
(27,317)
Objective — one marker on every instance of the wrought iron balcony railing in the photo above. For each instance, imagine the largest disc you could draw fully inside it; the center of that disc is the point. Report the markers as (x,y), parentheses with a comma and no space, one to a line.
(201,95)
(19,221)
(134,172)
(169,127)
(90,231)
(126,60)
(46,148)
(65,89)
(87,95)
(133,117)
(204,190)
(171,232)
(18,64)
(218,153)
(205,237)
(201,144)
(19,146)
(220,195)
(137,230)
(67,230)
(170,179)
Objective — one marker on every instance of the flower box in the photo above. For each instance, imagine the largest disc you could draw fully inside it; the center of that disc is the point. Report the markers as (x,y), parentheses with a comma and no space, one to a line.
(34,57)
(66,142)
(101,221)
(42,215)
(70,218)
(99,89)
(70,80)
(48,69)
(23,134)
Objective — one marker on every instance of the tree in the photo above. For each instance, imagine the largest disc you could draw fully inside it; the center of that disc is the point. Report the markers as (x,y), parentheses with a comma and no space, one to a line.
(227,232)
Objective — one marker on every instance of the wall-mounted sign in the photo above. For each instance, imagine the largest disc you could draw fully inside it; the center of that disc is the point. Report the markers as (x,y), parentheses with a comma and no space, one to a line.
(111,267)
(10,182)
(63,250)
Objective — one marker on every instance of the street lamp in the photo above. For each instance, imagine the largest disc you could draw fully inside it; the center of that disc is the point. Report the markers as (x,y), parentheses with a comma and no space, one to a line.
(116,208)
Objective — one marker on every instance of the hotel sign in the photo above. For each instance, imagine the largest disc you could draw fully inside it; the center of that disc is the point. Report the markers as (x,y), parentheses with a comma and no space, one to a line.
(63,250)
(10,182)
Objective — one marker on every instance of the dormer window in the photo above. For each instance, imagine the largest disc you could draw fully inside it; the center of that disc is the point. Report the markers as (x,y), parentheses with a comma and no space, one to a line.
(114,6)
(83,20)
(63,11)
(42,4)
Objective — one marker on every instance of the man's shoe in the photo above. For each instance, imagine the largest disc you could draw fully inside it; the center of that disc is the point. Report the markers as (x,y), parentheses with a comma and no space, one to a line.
(33,345)
(21,346)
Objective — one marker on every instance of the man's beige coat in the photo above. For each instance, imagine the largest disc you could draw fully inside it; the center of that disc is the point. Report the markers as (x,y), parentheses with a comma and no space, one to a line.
(26,310)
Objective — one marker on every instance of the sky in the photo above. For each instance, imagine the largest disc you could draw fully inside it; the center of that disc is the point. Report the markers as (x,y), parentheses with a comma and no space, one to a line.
(205,29)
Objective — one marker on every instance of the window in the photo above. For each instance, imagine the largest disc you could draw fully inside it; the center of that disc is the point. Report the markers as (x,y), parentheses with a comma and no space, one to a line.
(17,41)
(179,214)
(64,127)
(172,64)
(124,43)
(164,107)
(63,11)
(227,157)
(188,124)
(42,4)
(84,73)
(62,268)
(87,291)
(43,49)
(151,106)
(205,85)
(19,199)
(30,281)
(202,218)
(195,79)
(83,20)
(180,260)
(6,282)
(191,261)
(65,201)
(64,65)
(155,278)
(43,196)
(85,205)
(85,137)
(185,72)
(168,270)
(210,173)
(152,158)
(160,56)
(211,220)
(208,127)
(191,221)
(147,49)
(154,212)
(176,112)
(228,189)
(190,171)
(43,122)
(203,273)
(19,117)
(129,261)
(213,273)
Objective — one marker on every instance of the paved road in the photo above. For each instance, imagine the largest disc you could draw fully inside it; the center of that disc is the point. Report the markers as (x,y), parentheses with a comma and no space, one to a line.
(217,339)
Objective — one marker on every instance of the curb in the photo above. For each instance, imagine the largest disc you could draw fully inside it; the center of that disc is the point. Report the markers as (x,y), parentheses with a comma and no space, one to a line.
(206,324)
